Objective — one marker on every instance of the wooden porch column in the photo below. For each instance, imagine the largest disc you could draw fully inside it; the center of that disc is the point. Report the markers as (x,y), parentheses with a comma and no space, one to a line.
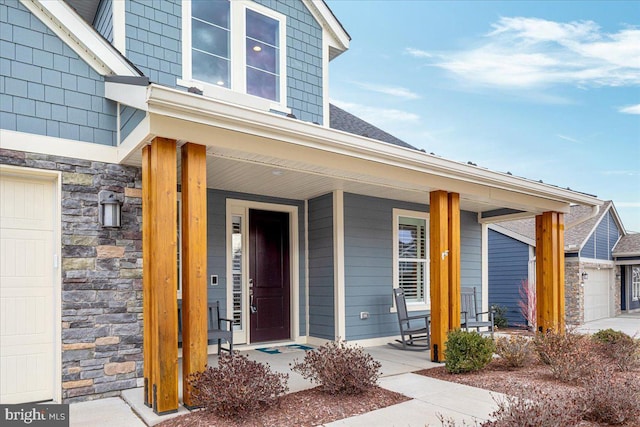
(454,260)
(160,273)
(550,271)
(439,272)
(194,264)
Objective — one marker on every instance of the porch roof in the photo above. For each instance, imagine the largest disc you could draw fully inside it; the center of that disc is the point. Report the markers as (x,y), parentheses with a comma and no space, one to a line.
(255,151)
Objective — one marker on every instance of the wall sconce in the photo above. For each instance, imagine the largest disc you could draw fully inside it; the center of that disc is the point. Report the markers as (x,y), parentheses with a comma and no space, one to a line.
(110,209)
(585,276)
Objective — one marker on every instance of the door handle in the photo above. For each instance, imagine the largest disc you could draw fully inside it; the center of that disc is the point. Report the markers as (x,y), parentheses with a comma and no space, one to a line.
(252,307)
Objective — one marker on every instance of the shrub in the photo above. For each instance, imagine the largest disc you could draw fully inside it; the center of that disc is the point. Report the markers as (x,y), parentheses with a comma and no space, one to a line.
(339,369)
(569,355)
(620,348)
(467,351)
(237,387)
(535,410)
(500,316)
(611,400)
(516,350)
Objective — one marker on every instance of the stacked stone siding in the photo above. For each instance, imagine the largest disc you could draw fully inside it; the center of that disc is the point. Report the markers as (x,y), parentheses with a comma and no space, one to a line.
(101,276)
(573,293)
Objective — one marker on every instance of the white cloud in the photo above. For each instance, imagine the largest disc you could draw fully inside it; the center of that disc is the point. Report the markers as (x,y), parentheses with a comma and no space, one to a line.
(378,116)
(568,138)
(396,91)
(418,53)
(530,52)
(631,109)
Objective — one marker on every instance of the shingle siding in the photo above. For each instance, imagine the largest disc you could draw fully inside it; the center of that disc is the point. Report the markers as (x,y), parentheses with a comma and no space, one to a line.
(154,45)
(129,118)
(46,88)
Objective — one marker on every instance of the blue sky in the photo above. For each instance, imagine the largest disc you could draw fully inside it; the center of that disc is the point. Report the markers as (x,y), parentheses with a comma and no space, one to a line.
(548,90)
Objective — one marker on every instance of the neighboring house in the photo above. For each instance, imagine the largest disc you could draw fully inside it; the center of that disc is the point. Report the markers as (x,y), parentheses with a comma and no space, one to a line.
(297,216)
(592,268)
(626,254)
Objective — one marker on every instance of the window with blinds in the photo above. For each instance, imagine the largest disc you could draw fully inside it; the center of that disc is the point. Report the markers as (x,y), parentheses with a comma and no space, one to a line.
(412,257)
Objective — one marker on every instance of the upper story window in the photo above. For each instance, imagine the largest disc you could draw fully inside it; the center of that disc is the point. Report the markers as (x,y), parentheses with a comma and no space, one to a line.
(236,45)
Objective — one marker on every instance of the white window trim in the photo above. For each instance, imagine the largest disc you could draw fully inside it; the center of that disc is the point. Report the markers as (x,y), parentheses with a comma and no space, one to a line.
(237,93)
(397,213)
(635,297)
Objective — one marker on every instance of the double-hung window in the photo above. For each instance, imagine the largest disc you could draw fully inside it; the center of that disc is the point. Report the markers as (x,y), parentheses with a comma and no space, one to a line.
(411,257)
(237,45)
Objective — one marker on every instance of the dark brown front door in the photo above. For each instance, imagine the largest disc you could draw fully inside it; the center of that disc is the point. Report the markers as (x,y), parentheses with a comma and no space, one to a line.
(269,275)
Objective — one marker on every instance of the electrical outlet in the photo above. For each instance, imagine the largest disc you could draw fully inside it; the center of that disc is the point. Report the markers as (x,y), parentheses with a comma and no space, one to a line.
(364,315)
(214,280)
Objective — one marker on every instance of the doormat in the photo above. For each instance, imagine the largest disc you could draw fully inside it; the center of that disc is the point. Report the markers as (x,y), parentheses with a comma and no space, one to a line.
(284,349)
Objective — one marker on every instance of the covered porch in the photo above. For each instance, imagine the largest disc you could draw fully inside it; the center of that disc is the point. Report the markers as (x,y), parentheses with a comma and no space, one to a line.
(230,162)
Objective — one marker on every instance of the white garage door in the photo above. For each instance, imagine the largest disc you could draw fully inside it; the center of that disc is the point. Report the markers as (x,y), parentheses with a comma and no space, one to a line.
(596,294)
(26,290)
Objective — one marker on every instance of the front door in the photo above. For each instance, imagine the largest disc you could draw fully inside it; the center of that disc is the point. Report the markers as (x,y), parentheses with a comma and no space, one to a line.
(269,276)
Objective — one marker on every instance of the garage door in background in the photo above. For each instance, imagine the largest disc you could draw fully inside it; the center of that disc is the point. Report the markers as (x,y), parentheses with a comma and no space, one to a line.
(27,288)
(596,294)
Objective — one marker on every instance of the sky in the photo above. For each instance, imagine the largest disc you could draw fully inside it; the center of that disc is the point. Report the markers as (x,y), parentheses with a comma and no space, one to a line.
(547,90)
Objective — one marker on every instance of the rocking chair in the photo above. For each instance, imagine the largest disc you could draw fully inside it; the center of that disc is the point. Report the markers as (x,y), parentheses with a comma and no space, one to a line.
(410,334)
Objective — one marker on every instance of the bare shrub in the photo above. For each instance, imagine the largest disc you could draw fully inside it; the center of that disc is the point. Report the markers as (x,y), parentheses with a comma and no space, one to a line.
(569,355)
(611,400)
(339,368)
(516,350)
(237,387)
(536,409)
(620,348)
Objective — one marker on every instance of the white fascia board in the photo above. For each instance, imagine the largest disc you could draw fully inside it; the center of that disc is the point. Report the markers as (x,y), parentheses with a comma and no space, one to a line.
(512,234)
(60,18)
(339,39)
(174,103)
(128,94)
(32,143)
(138,138)
(503,218)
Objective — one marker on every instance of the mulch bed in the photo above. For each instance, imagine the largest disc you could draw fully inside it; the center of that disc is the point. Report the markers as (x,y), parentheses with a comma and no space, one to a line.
(303,408)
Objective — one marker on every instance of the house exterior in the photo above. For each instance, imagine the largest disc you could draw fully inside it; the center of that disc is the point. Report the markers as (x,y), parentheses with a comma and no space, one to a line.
(594,284)
(209,125)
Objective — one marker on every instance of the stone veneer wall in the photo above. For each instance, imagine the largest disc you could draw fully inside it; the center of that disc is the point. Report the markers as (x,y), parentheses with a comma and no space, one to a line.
(101,276)
(573,293)
(617,286)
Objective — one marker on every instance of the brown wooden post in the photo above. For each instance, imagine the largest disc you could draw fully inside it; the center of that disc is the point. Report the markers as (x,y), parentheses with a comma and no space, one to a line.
(164,274)
(194,265)
(147,290)
(454,260)
(550,271)
(560,261)
(439,266)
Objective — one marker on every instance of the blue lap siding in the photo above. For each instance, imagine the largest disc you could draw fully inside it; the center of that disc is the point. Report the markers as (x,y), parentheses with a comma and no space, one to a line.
(508,267)
(368,224)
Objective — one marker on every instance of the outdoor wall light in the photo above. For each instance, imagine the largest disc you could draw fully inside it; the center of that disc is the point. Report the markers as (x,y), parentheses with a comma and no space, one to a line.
(110,209)
(585,276)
